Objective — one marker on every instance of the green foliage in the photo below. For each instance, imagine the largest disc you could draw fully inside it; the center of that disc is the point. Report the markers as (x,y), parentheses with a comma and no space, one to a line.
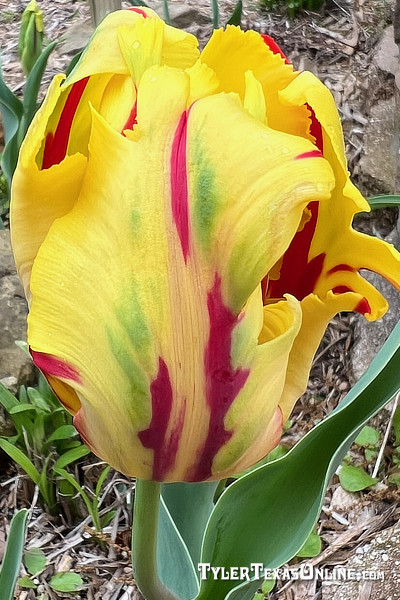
(355,479)
(384,201)
(368,437)
(91,505)
(396,426)
(312,547)
(17,115)
(30,36)
(293,6)
(13,555)
(44,438)
(66,582)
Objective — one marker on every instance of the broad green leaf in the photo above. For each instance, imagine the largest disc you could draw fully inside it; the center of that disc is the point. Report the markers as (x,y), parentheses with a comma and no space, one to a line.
(236,18)
(62,433)
(181,499)
(66,582)
(13,555)
(278,503)
(384,201)
(175,566)
(355,479)
(20,458)
(71,456)
(368,437)
(35,560)
(26,582)
(312,547)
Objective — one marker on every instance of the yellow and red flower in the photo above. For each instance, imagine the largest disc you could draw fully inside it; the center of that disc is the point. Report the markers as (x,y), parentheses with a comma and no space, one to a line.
(181,223)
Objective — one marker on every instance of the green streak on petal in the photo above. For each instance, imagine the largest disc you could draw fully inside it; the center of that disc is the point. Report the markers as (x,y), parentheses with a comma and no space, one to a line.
(136,388)
(136,221)
(206,197)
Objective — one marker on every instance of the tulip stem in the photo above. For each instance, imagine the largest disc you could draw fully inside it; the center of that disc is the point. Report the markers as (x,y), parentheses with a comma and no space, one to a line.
(144,541)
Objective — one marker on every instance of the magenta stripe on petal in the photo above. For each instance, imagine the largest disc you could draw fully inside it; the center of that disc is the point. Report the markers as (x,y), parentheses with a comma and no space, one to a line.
(179,185)
(51,365)
(155,436)
(223,381)
(311,154)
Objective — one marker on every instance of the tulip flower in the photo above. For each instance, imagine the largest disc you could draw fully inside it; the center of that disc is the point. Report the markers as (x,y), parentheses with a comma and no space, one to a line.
(182,225)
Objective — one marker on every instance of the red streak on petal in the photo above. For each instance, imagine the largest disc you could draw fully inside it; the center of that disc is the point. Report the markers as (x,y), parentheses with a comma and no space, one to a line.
(341,289)
(316,129)
(223,381)
(179,185)
(273,46)
(138,10)
(56,144)
(341,268)
(298,275)
(155,437)
(311,154)
(363,307)
(51,365)
(131,120)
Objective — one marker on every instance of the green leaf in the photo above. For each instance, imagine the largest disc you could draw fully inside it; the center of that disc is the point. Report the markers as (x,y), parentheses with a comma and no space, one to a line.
(66,582)
(19,457)
(215,12)
(312,547)
(175,567)
(32,87)
(62,433)
(37,400)
(180,498)
(13,554)
(368,437)
(71,456)
(355,479)
(268,585)
(26,582)
(7,399)
(236,18)
(266,516)
(138,3)
(384,201)
(35,560)
(22,408)
(396,424)
(370,455)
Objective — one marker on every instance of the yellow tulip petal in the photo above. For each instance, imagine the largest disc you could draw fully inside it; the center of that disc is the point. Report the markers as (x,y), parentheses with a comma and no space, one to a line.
(232,52)
(179,49)
(316,315)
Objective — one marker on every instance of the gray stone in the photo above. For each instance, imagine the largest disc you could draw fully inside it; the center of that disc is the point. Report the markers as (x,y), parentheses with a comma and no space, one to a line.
(380,555)
(378,164)
(181,15)
(387,56)
(15,367)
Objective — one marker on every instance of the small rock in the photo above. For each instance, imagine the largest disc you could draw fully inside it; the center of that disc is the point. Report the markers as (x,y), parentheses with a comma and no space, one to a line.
(378,164)
(387,55)
(15,367)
